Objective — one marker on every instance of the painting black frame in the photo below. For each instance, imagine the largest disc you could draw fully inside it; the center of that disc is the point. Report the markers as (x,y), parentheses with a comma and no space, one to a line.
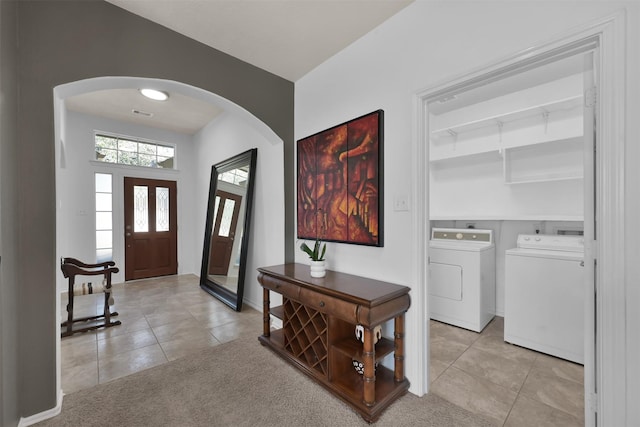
(306,160)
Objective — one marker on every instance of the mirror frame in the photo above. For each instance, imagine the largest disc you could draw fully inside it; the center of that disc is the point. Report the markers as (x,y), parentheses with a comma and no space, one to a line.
(233,300)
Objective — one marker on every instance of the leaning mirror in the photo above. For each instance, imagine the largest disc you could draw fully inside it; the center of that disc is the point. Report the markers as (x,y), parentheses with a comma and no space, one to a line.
(226,233)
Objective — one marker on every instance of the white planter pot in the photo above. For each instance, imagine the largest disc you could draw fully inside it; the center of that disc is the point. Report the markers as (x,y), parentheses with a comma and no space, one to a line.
(318,269)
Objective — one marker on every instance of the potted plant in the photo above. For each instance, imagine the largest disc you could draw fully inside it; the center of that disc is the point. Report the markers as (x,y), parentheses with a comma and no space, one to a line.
(317,257)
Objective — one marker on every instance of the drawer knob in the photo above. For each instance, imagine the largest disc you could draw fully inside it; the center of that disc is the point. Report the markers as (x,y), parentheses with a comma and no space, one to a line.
(321,303)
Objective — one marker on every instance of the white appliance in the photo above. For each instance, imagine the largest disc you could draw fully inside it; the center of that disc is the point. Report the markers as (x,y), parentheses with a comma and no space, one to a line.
(544,295)
(462,284)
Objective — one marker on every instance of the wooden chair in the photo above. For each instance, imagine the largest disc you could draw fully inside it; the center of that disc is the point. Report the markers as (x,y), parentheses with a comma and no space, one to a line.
(71,268)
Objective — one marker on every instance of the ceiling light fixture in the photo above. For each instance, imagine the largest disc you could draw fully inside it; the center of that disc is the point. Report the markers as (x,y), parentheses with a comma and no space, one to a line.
(156,95)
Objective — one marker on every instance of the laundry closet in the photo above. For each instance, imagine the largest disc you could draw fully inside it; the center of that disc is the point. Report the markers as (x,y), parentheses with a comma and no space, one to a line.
(507,181)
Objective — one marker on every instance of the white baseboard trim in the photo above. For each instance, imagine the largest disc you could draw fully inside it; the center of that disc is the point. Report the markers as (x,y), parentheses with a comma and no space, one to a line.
(45,415)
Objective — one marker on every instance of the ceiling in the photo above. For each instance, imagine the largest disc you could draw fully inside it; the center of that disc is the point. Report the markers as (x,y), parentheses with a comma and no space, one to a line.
(288,38)
(179,113)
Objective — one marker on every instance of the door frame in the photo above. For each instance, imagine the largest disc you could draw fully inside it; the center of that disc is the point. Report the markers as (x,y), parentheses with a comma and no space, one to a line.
(605,367)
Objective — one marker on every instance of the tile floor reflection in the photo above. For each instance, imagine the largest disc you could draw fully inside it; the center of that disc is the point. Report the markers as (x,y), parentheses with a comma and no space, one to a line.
(506,384)
(170,317)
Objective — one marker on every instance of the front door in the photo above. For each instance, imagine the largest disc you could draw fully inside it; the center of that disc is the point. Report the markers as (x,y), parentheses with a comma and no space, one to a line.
(150,222)
(223,235)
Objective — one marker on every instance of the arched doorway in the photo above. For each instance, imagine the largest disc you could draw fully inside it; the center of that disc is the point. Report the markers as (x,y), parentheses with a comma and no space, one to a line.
(192,175)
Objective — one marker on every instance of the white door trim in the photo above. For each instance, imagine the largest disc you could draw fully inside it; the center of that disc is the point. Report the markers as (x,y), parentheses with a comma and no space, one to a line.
(610,357)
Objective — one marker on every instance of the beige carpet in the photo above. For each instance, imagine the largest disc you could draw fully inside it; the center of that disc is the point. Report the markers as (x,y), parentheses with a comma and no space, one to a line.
(237,384)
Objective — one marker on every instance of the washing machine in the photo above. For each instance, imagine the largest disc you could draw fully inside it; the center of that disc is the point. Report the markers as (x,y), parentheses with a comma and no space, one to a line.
(462,280)
(544,295)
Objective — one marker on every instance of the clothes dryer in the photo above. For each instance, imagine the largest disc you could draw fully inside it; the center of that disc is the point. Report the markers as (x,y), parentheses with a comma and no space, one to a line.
(544,295)
(462,281)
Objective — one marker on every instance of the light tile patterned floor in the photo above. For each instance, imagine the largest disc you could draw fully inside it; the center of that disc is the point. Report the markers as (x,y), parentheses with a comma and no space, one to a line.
(506,384)
(170,317)
(162,319)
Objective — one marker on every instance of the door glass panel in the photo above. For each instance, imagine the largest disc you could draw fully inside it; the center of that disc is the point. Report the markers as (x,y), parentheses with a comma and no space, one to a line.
(103,221)
(103,183)
(162,209)
(140,209)
(103,255)
(103,202)
(215,208)
(103,239)
(104,217)
(227,216)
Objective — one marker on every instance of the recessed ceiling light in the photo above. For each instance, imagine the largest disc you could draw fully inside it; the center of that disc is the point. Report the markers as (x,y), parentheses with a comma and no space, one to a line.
(156,95)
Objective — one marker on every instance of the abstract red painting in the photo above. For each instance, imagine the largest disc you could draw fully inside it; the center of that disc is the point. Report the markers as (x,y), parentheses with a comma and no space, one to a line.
(340,182)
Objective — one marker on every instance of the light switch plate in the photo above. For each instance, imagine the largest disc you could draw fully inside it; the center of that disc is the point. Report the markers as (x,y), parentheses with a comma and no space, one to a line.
(400,204)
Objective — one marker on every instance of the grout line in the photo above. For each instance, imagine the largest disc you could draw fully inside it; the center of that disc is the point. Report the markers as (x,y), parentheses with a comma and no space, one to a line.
(97,360)
(520,389)
(485,379)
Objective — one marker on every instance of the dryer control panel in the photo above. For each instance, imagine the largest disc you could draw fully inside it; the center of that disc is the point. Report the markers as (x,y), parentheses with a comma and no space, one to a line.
(462,234)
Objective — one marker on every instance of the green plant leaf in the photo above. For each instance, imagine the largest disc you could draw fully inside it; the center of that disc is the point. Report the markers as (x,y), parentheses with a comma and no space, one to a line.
(315,254)
(306,249)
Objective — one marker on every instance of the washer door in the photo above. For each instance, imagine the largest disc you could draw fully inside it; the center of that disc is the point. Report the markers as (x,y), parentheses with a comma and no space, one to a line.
(446,281)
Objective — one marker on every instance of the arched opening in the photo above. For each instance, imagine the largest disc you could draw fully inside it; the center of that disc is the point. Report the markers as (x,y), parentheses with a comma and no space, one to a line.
(233,130)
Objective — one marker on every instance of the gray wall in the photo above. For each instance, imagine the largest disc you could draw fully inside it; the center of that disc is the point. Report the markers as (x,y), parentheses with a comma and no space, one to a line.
(65,41)
(8,216)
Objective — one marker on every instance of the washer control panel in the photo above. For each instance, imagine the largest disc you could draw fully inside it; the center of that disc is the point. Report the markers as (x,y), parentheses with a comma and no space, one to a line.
(551,242)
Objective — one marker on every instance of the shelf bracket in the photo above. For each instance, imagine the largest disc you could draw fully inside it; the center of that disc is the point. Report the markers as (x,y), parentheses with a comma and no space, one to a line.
(454,135)
(545,117)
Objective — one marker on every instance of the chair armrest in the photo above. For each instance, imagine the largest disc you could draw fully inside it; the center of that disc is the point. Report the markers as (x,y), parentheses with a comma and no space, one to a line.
(79,263)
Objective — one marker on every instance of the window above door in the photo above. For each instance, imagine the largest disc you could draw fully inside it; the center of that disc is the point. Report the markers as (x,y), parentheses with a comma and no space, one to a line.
(134,152)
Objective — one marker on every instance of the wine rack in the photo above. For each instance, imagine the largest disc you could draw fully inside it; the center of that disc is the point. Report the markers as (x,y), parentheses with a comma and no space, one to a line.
(305,335)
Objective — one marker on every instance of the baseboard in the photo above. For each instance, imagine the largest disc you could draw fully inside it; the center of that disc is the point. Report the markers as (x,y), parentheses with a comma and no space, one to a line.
(252,304)
(45,415)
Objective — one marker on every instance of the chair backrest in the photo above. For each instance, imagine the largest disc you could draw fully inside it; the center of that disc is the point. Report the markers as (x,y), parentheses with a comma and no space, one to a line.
(71,267)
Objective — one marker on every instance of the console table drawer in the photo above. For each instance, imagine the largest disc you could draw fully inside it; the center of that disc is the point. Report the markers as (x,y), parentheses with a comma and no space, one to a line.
(285,289)
(342,309)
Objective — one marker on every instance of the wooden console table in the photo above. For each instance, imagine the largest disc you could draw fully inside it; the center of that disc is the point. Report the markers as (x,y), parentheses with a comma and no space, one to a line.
(319,317)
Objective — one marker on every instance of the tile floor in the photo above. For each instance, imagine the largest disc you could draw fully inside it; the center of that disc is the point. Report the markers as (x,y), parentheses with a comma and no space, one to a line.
(506,384)
(169,317)
(162,319)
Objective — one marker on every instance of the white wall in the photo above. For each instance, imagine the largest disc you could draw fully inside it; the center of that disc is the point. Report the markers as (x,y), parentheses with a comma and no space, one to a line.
(75,188)
(226,137)
(475,186)
(427,44)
